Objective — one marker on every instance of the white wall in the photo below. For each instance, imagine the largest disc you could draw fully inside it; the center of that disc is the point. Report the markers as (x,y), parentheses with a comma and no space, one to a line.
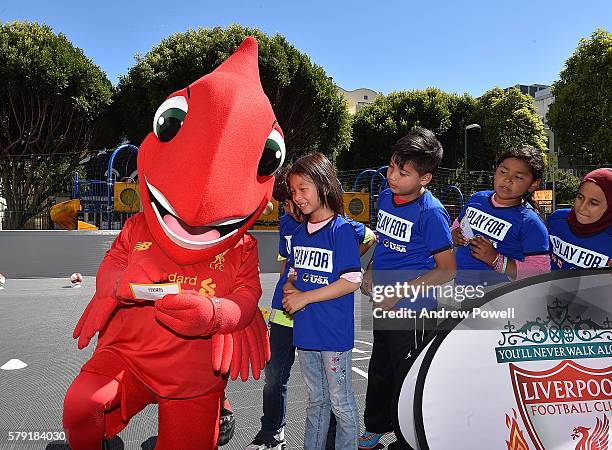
(355,99)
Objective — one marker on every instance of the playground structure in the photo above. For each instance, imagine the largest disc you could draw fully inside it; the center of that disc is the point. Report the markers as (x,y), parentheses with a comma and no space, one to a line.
(103,204)
(65,215)
(375,181)
(106,204)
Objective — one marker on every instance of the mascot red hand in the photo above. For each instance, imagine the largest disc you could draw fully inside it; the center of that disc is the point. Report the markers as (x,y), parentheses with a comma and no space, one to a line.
(227,349)
(189,313)
(175,351)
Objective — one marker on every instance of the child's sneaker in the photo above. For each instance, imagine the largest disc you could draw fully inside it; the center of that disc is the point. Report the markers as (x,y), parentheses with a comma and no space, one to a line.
(369,441)
(276,443)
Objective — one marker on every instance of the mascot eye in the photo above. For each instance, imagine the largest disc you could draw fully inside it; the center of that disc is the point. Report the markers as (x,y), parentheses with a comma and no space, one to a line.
(273,155)
(169,118)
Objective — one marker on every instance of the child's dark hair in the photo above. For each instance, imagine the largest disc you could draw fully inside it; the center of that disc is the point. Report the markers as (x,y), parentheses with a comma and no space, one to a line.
(534,160)
(421,148)
(322,173)
(280,191)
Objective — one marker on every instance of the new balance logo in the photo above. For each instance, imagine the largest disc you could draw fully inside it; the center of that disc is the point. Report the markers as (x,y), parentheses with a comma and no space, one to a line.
(141,246)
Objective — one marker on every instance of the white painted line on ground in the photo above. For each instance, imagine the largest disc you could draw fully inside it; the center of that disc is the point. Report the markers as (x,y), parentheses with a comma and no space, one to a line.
(364,358)
(356,350)
(360,372)
(364,342)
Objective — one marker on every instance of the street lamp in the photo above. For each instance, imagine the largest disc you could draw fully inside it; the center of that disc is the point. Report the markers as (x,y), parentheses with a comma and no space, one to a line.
(472,126)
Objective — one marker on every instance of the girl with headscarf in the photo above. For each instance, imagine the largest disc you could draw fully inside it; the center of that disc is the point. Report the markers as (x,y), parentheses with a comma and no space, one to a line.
(581,237)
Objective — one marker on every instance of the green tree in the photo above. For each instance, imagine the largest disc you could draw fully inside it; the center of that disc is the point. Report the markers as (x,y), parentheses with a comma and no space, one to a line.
(567,186)
(508,119)
(50,95)
(304,99)
(581,115)
(377,126)
(462,110)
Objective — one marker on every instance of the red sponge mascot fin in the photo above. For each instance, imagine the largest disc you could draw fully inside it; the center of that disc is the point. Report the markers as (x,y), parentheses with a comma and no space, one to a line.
(206,173)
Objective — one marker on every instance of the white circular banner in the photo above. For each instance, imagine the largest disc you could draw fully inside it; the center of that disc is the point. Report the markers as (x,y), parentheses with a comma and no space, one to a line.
(406,400)
(531,368)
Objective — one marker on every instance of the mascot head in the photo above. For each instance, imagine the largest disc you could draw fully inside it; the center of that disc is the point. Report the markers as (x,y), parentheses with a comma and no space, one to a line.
(207,170)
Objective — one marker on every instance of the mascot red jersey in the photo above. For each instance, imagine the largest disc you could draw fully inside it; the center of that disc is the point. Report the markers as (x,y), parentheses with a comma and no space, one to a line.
(206,174)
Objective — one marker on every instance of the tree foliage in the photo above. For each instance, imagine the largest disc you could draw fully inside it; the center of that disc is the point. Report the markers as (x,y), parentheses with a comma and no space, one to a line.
(567,186)
(581,115)
(377,126)
(50,95)
(507,120)
(304,99)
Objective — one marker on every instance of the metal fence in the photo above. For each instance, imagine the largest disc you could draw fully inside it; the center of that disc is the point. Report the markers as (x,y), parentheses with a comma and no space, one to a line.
(91,187)
(447,185)
(41,221)
(581,171)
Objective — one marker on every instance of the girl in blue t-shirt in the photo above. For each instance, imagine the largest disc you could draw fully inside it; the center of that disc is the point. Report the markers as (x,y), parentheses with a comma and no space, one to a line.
(581,237)
(326,270)
(507,238)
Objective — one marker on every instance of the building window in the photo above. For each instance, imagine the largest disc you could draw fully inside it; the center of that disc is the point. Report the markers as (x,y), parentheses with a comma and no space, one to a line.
(365,97)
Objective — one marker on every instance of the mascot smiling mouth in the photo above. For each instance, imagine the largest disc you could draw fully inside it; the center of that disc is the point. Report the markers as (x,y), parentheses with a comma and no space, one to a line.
(193,237)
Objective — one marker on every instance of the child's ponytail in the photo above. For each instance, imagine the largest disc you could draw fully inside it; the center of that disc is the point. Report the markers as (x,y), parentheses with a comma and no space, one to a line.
(528,198)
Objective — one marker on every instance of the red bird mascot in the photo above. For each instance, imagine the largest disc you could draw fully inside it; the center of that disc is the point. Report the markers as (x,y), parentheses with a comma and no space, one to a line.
(176,295)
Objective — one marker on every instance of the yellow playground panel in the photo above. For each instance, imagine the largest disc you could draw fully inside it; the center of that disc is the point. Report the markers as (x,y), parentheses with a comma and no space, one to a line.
(127,197)
(64,215)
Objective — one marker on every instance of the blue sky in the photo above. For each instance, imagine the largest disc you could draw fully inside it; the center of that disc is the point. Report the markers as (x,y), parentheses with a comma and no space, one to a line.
(457,46)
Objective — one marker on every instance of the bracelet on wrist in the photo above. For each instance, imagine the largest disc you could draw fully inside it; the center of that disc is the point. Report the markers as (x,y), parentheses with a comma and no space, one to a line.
(503,270)
(501,263)
(494,263)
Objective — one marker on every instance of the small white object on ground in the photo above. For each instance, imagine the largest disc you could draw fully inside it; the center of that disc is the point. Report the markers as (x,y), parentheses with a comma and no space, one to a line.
(76,279)
(14,364)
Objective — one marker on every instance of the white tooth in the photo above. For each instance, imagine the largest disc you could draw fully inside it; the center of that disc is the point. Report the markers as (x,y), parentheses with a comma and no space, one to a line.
(161,199)
(219,223)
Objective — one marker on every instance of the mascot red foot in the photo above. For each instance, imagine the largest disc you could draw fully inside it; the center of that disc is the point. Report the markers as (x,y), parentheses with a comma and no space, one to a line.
(206,174)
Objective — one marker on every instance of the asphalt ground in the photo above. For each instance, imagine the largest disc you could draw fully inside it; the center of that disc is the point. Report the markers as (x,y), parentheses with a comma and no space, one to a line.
(37,317)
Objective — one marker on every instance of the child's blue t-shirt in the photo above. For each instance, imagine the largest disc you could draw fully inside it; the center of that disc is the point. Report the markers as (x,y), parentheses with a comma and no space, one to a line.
(516,232)
(319,259)
(568,251)
(409,235)
(286,228)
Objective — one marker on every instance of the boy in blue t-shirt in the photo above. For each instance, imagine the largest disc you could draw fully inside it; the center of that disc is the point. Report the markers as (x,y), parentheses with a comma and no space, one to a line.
(415,249)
